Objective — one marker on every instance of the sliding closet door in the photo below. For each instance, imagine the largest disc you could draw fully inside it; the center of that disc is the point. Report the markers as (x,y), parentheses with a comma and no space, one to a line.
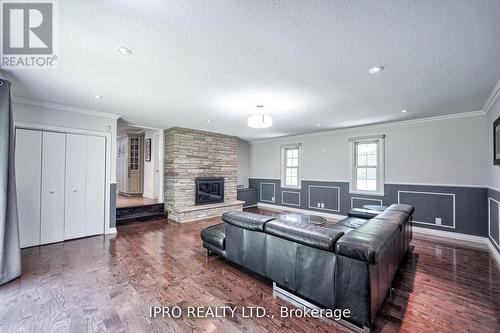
(96,173)
(53,174)
(28,172)
(76,164)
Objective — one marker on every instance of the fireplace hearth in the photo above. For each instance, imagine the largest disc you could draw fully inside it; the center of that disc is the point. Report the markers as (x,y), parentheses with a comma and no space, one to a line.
(209,190)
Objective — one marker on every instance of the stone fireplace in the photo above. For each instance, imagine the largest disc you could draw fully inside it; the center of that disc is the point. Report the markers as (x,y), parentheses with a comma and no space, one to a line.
(196,158)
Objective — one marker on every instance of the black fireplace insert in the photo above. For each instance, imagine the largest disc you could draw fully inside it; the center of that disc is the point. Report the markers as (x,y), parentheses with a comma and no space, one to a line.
(209,190)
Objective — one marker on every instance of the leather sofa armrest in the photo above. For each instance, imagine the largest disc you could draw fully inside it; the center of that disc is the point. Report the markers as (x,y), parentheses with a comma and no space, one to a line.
(245,220)
(368,242)
(362,213)
(408,209)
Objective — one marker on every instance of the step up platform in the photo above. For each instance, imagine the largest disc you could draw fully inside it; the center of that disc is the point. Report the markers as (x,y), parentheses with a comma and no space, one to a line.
(126,215)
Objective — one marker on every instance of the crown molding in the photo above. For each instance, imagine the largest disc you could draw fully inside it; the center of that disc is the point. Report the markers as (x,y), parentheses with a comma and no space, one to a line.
(376,126)
(495,94)
(28,101)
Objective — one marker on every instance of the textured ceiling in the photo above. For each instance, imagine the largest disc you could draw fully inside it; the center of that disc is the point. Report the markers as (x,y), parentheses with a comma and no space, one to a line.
(307,62)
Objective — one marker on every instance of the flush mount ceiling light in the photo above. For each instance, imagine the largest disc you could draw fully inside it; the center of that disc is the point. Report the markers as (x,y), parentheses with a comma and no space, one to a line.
(125,50)
(318,125)
(405,110)
(376,69)
(97,96)
(260,120)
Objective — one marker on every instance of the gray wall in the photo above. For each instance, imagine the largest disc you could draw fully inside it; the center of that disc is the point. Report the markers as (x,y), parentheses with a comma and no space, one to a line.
(112,205)
(493,171)
(493,178)
(243,162)
(444,152)
(460,209)
(434,164)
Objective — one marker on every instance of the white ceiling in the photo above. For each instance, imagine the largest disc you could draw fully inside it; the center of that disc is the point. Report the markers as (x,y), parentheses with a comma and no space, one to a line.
(307,62)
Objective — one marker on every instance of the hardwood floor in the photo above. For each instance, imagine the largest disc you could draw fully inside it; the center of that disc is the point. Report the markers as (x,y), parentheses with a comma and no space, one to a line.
(108,284)
(124,201)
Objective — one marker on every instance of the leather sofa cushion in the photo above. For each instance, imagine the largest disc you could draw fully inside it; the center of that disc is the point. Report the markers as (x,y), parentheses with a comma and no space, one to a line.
(245,220)
(368,242)
(306,234)
(352,222)
(362,213)
(214,235)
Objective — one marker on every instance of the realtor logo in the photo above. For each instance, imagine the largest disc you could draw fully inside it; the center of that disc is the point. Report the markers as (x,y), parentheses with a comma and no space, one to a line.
(28,35)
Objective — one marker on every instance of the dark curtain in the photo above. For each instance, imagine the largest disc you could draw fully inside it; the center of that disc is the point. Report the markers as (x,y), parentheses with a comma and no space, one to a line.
(10,252)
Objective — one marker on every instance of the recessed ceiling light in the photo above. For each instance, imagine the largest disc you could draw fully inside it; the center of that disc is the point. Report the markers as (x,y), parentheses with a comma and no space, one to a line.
(376,69)
(318,125)
(97,96)
(405,110)
(125,50)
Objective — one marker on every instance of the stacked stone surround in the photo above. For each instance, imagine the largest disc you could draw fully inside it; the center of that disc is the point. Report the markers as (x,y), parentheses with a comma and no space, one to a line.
(190,154)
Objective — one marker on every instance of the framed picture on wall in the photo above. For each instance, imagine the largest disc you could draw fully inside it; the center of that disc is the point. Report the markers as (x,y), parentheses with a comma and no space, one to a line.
(496,142)
(147,153)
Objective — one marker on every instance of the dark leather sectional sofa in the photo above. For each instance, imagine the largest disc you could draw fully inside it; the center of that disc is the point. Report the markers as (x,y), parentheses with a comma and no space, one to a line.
(345,265)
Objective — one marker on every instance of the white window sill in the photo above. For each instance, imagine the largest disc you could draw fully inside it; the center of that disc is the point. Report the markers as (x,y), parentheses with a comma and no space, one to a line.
(292,187)
(376,194)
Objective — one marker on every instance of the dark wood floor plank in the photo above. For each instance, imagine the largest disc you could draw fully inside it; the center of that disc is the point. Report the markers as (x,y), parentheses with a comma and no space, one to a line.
(107,284)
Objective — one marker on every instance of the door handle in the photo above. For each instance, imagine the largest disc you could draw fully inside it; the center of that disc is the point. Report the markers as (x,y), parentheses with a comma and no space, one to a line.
(52,191)
(75,190)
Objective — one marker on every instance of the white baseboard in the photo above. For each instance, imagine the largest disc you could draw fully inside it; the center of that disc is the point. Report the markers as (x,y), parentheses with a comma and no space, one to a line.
(111,231)
(298,210)
(251,206)
(477,242)
(455,237)
(493,250)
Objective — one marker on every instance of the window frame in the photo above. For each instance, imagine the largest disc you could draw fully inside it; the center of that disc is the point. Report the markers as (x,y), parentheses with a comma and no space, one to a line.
(284,149)
(380,141)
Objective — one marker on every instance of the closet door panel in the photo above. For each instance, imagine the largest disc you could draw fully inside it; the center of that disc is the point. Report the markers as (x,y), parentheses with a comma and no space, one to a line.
(28,171)
(52,198)
(95,197)
(76,160)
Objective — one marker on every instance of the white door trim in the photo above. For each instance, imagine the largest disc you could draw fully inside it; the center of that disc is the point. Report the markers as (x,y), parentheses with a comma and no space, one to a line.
(70,130)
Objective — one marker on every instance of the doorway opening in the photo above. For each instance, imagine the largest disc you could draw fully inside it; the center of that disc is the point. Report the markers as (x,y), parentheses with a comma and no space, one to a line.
(139,164)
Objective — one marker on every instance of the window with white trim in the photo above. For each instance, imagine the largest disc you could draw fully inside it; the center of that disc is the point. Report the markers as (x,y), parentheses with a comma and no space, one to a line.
(290,166)
(367,160)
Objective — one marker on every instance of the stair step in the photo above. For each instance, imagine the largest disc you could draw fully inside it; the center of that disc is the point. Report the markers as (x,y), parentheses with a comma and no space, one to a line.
(153,208)
(140,217)
(141,213)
